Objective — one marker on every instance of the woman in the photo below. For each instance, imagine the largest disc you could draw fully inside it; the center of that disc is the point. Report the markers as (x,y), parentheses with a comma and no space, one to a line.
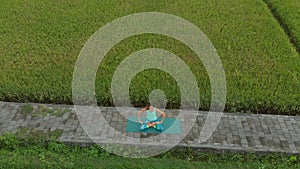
(151,118)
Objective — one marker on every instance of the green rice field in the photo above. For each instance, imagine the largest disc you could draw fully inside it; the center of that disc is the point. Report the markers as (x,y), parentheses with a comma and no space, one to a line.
(288,13)
(41,40)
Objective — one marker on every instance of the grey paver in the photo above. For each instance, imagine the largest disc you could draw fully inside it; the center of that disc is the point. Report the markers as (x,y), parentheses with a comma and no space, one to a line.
(246,132)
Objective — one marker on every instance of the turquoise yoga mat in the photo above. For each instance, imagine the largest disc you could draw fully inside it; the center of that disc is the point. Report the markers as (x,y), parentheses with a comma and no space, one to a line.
(170,125)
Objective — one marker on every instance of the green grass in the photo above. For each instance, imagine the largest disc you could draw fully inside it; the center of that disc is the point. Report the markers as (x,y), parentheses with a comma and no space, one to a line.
(40,42)
(288,13)
(31,152)
(27,109)
(42,110)
(56,111)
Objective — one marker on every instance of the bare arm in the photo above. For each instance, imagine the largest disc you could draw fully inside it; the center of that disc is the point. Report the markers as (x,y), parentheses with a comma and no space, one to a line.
(163,115)
(139,115)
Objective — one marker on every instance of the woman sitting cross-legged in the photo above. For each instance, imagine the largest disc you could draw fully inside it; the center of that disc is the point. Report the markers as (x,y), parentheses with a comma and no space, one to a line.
(151,118)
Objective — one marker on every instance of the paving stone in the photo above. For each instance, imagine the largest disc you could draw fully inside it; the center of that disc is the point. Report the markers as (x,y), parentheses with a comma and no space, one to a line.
(235,131)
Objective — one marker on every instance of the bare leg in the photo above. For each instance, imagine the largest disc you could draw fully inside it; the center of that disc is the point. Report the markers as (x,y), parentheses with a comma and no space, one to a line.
(151,124)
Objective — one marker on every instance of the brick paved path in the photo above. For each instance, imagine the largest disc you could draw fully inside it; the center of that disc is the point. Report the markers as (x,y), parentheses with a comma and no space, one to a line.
(235,132)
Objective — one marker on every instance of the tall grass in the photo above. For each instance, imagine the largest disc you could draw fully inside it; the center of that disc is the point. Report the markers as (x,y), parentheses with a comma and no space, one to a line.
(40,42)
(288,13)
